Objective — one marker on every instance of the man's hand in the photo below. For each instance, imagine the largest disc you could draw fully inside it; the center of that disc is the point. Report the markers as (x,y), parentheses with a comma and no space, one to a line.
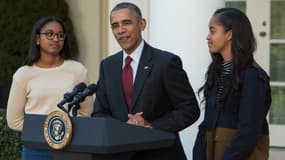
(138,120)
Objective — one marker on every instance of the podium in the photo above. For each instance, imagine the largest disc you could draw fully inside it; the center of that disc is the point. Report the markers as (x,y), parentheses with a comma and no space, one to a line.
(98,138)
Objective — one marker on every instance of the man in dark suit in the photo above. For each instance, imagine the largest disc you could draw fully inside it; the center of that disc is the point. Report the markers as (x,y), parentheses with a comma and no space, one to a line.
(144,86)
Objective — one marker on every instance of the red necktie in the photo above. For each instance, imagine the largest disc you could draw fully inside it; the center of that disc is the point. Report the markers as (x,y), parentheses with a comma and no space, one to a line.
(127,80)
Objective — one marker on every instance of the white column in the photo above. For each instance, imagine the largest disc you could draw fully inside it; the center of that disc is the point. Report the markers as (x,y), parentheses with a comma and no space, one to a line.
(181,27)
(85,16)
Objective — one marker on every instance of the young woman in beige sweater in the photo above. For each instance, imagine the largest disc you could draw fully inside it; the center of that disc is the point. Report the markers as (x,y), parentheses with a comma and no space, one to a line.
(48,73)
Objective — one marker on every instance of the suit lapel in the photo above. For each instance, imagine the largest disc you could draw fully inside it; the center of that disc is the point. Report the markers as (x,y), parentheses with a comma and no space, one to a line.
(143,71)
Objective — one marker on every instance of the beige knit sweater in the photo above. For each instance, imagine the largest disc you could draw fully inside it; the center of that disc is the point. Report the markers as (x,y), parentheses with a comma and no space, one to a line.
(37,90)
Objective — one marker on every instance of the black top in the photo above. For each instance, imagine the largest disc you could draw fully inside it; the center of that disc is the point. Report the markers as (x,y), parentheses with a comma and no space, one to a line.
(225,72)
(245,112)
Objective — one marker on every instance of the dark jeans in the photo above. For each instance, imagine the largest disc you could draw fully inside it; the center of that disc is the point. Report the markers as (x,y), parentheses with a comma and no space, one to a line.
(35,154)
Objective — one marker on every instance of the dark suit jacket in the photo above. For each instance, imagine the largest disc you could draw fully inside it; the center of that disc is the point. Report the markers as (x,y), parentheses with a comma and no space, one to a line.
(245,112)
(161,90)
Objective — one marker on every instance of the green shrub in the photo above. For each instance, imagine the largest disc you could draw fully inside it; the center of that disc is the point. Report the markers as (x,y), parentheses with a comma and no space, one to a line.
(10,141)
(17,18)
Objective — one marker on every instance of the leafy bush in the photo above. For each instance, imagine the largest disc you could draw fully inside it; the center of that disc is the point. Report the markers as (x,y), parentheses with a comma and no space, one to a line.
(17,18)
(10,141)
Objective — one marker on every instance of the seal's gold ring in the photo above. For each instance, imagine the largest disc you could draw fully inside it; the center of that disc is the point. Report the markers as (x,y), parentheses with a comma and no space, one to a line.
(57,130)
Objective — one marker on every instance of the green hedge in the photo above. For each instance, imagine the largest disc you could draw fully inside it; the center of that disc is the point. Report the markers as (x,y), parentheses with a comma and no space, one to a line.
(10,141)
(17,18)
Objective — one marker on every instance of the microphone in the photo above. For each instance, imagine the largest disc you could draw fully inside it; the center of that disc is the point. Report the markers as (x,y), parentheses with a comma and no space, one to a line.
(67,97)
(79,97)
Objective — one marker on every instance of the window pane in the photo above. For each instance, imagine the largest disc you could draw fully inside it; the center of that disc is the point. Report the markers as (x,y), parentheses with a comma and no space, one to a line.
(277,19)
(235,4)
(277,62)
(277,110)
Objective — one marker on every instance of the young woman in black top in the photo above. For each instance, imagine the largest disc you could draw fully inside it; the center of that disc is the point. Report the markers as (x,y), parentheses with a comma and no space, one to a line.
(236,93)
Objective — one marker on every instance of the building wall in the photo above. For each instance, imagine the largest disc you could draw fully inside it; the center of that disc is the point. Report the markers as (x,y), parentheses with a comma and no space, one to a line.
(92,29)
(186,37)
(86,19)
(180,27)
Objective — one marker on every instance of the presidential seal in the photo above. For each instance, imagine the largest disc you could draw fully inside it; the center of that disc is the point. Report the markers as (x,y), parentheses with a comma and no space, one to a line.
(57,130)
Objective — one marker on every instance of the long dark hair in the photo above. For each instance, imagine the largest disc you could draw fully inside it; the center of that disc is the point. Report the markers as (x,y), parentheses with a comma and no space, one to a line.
(242,47)
(34,53)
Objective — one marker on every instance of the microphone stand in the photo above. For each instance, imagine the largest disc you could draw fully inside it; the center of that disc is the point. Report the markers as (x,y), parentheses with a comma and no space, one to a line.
(62,108)
(75,109)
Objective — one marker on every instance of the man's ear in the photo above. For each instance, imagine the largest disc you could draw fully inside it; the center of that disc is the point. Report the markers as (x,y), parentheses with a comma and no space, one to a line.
(142,24)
